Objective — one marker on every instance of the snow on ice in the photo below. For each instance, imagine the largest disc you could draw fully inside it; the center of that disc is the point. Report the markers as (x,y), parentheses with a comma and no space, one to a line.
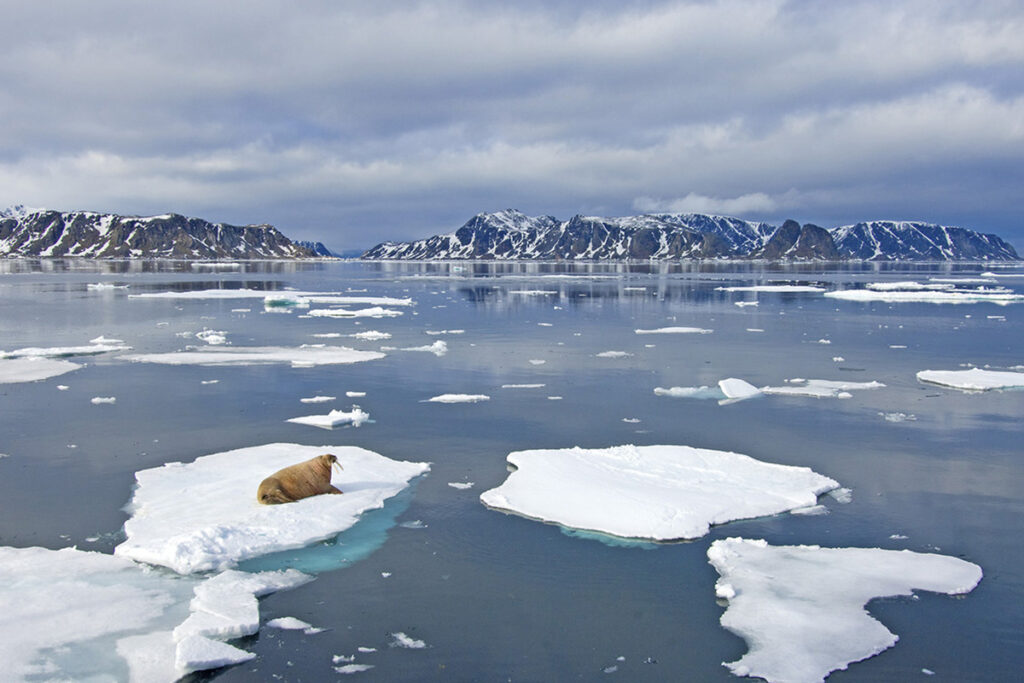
(16,370)
(260,355)
(333,419)
(459,398)
(974,379)
(203,515)
(801,608)
(675,330)
(650,492)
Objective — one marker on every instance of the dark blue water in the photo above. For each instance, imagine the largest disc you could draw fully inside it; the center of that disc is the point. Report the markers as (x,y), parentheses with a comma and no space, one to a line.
(498,597)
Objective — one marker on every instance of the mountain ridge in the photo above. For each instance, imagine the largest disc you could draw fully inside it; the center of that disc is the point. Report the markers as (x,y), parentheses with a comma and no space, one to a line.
(511,235)
(46,233)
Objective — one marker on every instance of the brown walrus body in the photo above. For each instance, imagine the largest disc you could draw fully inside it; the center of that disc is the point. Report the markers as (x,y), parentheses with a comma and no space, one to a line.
(309,478)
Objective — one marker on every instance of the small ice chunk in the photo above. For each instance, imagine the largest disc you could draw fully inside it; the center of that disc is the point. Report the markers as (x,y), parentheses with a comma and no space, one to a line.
(317,399)
(810,511)
(631,420)
(106,340)
(62,387)
(689,392)
(898,417)
(400,639)
(823,341)
(461,485)
(522,386)
(650,492)
(974,379)
(366,650)
(838,359)
(209,381)
(355,394)
(289,624)
(554,398)
(439,332)
(801,608)
(675,330)
(371,335)
(744,304)
(438,348)
(213,337)
(841,495)
(372,312)
(738,389)
(355,417)
(537,361)
(772,288)
(352,668)
(459,398)
(614,354)
(100,400)
(754,329)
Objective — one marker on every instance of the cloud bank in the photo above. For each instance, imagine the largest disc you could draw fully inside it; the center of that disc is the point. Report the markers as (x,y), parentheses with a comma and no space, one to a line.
(357,122)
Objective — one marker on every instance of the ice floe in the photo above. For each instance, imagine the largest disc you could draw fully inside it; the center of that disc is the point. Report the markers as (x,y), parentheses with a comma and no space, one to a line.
(614,354)
(522,386)
(371,335)
(658,493)
(317,399)
(772,288)
(100,400)
(438,348)
(63,351)
(111,607)
(459,398)
(801,608)
(974,379)
(293,624)
(372,312)
(689,392)
(400,639)
(260,355)
(675,330)
(738,389)
(30,369)
(929,295)
(213,337)
(333,419)
(203,515)
(820,388)
(440,332)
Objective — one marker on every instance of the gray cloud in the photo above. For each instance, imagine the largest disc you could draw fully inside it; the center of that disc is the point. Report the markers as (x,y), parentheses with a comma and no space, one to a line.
(358,122)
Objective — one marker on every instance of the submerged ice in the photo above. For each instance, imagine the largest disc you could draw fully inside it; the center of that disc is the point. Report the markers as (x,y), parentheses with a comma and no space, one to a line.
(650,492)
(801,608)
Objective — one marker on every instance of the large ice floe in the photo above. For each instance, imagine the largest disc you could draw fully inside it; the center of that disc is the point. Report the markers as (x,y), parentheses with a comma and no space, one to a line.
(661,493)
(974,379)
(915,292)
(203,515)
(14,370)
(371,312)
(74,615)
(305,355)
(732,389)
(801,608)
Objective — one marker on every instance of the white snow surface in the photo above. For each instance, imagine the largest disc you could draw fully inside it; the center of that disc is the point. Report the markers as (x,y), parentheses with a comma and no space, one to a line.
(659,493)
(974,379)
(820,388)
(459,398)
(355,417)
(372,312)
(737,389)
(203,515)
(16,370)
(260,355)
(112,607)
(945,296)
(801,608)
(675,330)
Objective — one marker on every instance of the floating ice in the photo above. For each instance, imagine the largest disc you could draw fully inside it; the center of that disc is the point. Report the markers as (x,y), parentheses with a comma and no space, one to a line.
(974,379)
(537,361)
(293,624)
(820,388)
(898,417)
(355,417)
(355,394)
(738,389)
(910,286)
(459,398)
(614,354)
(772,288)
(16,370)
(950,296)
(438,348)
(439,332)
(213,337)
(63,351)
(317,399)
(461,485)
(402,640)
(372,312)
(260,355)
(100,400)
(650,492)
(675,330)
(203,515)
(689,392)
(744,304)
(353,668)
(103,286)
(371,335)
(532,292)
(522,386)
(105,340)
(281,298)
(801,608)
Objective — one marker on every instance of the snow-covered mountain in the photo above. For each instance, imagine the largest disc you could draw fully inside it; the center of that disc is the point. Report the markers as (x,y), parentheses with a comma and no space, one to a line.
(44,233)
(510,234)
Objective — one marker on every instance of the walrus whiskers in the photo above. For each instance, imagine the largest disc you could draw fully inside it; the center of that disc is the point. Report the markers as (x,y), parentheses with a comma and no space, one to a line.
(302,480)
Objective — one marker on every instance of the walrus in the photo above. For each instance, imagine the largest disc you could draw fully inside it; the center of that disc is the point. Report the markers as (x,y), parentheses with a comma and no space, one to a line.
(305,479)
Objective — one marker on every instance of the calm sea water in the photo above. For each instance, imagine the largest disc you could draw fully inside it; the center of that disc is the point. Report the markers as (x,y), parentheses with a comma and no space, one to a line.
(498,597)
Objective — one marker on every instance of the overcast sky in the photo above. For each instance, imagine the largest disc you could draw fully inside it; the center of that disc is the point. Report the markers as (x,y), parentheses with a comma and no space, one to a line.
(357,122)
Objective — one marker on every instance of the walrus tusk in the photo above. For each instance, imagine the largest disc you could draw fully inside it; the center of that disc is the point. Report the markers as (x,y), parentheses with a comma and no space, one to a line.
(305,479)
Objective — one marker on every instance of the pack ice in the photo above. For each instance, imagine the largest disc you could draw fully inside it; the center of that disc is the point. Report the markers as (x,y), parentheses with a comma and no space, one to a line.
(203,515)
(660,493)
(801,608)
